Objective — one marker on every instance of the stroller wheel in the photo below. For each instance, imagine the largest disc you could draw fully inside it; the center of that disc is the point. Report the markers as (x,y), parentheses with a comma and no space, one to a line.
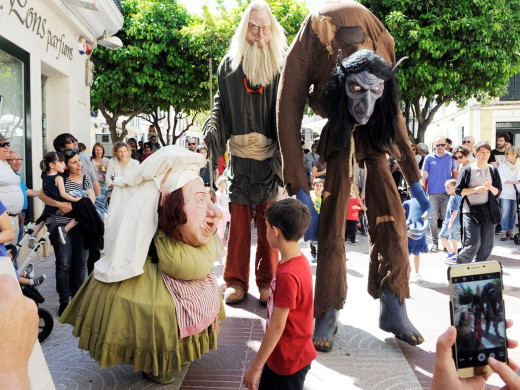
(46,324)
(516,238)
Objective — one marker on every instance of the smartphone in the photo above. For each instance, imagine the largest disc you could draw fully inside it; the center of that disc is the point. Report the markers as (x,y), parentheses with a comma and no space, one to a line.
(477,311)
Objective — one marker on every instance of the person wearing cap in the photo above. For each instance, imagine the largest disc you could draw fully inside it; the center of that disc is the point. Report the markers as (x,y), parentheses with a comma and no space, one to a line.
(11,193)
(311,158)
(152,300)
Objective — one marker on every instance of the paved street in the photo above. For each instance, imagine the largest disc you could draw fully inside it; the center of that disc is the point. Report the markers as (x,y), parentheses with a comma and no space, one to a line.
(363,357)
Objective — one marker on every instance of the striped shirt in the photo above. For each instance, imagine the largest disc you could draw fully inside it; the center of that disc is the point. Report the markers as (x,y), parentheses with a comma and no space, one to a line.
(71,186)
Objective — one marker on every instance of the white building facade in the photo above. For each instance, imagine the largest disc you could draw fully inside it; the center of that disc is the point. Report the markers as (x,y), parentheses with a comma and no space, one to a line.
(45,72)
(482,121)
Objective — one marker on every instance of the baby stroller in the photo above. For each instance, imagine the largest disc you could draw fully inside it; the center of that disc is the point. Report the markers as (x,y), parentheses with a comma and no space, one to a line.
(516,237)
(46,320)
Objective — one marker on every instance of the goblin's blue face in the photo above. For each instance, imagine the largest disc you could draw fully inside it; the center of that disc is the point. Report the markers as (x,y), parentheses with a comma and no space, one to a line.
(363,89)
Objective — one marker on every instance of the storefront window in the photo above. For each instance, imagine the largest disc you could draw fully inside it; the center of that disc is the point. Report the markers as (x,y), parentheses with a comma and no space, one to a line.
(12,112)
(15,104)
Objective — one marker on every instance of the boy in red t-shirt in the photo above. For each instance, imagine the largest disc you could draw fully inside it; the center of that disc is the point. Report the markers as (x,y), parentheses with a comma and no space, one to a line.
(352,217)
(286,353)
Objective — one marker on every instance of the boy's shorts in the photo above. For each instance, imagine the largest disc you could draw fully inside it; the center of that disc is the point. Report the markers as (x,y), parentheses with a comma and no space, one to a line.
(451,234)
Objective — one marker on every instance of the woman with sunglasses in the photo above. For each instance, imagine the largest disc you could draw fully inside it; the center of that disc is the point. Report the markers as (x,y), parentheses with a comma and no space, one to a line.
(460,155)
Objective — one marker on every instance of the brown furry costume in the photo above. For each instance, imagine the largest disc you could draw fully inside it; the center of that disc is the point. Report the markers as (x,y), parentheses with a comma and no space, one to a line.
(348,26)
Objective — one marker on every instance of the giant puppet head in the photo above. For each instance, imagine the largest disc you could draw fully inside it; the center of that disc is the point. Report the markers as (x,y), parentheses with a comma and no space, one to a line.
(363,91)
(258,45)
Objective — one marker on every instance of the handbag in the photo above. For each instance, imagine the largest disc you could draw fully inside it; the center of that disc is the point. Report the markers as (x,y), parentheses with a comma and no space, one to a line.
(494,208)
(479,213)
(488,212)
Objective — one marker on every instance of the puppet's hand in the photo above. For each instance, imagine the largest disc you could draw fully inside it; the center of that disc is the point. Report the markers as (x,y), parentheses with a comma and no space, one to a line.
(312,232)
(418,210)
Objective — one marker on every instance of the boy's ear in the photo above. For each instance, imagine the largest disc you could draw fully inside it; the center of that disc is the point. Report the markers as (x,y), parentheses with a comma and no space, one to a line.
(277,231)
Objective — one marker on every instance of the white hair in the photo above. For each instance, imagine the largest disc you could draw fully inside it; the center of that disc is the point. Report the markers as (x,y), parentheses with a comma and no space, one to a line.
(260,65)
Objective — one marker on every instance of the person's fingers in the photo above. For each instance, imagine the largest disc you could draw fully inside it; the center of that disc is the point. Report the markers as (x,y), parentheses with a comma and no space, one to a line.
(8,287)
(512,343)
(509,323)
(444,344)
(510,377)
(513,365)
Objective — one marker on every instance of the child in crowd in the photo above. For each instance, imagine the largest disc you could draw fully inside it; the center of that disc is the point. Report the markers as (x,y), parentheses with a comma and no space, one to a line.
(25,277)
(450,231)
(352,217)
(286,352)
(82,148)
(223,203)
(318,186)
(53,185)
(415,248)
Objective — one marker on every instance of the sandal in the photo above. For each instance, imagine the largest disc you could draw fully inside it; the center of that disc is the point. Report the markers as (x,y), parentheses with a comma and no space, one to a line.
(511,235)
(503,237)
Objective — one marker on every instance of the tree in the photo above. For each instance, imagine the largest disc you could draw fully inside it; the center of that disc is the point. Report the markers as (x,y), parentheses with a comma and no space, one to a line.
(151,72)
(458,50)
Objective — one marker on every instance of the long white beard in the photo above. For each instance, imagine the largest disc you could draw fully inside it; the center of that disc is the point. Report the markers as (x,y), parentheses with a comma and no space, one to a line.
(258,65)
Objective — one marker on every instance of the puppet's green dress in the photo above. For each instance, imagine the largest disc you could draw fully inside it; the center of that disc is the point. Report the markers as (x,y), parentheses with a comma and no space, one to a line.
(134,321)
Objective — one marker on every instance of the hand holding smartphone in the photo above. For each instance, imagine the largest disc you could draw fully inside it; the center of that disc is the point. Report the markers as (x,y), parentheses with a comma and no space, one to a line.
(477,312)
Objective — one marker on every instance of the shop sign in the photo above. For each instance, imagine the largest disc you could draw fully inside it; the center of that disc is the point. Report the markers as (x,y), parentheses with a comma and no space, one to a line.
(32,19)
(508,125)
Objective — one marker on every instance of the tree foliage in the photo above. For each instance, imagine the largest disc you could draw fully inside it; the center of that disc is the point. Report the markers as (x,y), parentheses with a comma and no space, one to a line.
(165,61)
(151,71)
(458,50)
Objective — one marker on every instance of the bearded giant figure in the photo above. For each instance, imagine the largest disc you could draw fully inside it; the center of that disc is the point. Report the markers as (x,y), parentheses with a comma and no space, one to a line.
(343,61)
(244,115)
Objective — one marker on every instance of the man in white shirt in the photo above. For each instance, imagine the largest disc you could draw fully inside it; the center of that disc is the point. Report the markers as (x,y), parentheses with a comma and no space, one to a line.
(10,191)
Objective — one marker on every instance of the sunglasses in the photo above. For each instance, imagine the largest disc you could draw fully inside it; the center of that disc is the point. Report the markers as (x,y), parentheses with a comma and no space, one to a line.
(440,145)
(71,141)
(14,159)
(460,157)
(4,144)
(466,142)
(189,143)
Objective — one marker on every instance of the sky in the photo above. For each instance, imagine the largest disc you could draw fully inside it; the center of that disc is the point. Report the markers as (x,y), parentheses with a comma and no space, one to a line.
(195,6)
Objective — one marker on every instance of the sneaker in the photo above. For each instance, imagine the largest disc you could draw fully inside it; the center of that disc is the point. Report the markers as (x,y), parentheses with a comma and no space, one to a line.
(32,242)
(39,280)
(435,248)
(28,271)
(450,255)
(63,234)
(418,278)
(452,260)
(314,259)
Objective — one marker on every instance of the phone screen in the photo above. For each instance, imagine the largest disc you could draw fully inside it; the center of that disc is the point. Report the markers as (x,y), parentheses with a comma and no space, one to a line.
(478,315)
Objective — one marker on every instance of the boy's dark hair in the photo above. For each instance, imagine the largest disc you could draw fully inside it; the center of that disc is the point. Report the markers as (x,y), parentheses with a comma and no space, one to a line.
(82,147)
(291,216)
